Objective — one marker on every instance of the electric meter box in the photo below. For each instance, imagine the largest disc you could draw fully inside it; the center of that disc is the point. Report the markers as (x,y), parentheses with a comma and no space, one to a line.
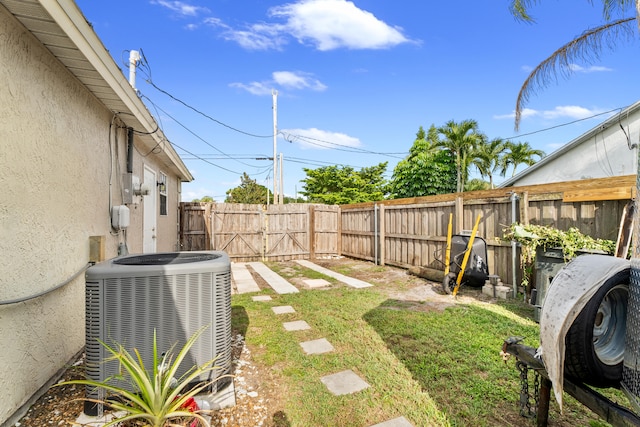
(120,217)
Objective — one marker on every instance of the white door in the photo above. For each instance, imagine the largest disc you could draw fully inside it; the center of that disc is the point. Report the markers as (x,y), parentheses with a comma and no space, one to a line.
(150,212)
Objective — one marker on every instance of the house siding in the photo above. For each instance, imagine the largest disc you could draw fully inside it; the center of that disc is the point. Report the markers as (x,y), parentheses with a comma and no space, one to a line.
(602,152)
(62,156)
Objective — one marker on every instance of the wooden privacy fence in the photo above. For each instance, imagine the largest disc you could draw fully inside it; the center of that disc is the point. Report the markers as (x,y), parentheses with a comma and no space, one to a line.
(406,232)
(412,232)
(250,232)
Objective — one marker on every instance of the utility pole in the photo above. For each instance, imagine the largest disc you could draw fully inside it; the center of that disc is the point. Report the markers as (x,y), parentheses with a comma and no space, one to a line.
(281,194)
(274,94)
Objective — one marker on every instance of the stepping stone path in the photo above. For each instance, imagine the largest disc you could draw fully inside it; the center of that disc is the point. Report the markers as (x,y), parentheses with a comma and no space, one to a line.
(356,283)
(243,279)
(317,346)
(277,282)
(316,283)
(341,383)
(345,382)
(297,325)
(396,422)
(284,309)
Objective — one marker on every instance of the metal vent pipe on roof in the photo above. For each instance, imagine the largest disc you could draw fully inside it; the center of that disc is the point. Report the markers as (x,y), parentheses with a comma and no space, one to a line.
(134,57)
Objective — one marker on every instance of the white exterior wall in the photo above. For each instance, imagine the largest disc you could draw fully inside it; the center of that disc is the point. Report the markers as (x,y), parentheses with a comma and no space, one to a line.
(55,167)
(604,155)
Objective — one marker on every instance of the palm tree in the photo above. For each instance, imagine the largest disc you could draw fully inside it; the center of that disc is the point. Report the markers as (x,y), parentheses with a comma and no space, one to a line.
(487,157)
(517,154)
(461,139)
(586,47)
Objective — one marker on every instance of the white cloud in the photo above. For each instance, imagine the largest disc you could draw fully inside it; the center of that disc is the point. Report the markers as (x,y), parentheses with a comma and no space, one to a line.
(319,139)
(332,24)
(181,8)
(255,40)
(576,68)
(254,88)
(592,69)
(288,80)
(297,80)
(562,111)
(325,24)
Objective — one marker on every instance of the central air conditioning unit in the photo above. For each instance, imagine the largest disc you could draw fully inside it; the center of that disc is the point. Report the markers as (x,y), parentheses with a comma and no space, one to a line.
(173,293)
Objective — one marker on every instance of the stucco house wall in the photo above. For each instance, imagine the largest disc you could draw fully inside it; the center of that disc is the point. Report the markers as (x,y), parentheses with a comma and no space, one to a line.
(63,154)
(604,151)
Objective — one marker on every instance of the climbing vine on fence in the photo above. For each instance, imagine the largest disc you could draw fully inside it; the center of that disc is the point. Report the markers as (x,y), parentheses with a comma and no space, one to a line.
(530,237)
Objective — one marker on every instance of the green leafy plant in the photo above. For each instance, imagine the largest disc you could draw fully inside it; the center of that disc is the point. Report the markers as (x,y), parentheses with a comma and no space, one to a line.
(531,237)
(159,399)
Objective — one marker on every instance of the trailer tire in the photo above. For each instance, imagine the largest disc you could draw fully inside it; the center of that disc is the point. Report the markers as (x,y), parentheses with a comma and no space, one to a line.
(449,283)
(595,342)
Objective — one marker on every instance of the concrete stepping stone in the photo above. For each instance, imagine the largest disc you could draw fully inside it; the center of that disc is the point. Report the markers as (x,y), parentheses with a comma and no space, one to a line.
(345,382)
(396,422)
(317,346)
(316,283)
(297,325)
(262,298)
(243,279)
(277,282)
(283,309)
(356,283)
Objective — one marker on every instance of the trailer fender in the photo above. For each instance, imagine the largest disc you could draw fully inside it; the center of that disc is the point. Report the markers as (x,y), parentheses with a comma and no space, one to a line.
(571,290)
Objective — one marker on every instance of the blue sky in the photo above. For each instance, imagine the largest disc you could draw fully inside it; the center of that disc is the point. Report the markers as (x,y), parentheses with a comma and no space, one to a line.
(355,79)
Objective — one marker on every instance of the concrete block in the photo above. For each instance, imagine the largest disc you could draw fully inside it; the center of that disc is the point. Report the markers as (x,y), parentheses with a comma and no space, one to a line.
(504,292)
(345,382)
(298,325)
(487,289)
(283,309)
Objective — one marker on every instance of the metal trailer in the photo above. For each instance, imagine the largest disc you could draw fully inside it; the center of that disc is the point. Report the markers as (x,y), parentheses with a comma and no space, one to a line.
(616,306)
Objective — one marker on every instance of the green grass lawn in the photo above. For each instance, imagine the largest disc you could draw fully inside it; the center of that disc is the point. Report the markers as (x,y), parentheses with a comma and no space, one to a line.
(436,368)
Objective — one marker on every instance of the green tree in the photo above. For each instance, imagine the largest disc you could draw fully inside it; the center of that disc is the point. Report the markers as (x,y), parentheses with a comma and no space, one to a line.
(337,185)
(476,184)
(586,47)
(517,154)
(205,199)
(461,139)
(488,158)
(249,191)
(426,171)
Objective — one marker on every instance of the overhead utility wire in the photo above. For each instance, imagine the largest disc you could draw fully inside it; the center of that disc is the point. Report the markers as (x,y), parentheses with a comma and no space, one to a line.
(567,124)
(310,140)
(316,162)
(144,64)
(195,134)
(204,114)
(204,160)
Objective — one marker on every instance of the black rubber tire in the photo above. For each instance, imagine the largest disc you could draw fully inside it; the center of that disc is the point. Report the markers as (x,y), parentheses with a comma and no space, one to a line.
(449,283)
(595,342)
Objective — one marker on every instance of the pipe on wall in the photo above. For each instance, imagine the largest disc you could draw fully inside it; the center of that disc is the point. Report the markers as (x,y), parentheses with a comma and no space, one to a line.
(129,150)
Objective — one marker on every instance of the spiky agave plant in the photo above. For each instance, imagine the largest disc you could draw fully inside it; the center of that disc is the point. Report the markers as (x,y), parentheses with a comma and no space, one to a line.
(158,399)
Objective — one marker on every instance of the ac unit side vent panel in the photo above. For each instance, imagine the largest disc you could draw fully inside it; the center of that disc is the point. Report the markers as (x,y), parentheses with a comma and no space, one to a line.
(126,303)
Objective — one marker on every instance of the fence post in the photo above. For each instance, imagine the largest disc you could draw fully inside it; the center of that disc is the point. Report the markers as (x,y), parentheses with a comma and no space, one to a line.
(459,214)
(524,208)
(209,221)
(339,236)
(381,236)
(265,229)
(312,232)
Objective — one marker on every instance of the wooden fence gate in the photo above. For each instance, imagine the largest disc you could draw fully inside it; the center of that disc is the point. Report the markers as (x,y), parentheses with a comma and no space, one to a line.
(249,232)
